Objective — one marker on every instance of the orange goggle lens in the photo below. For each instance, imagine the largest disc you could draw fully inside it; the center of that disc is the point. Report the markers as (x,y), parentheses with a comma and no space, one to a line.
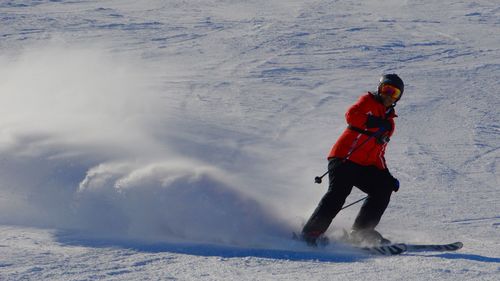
(389,90)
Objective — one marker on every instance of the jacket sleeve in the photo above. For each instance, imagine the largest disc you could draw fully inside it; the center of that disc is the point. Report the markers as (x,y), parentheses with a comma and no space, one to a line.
(357,114)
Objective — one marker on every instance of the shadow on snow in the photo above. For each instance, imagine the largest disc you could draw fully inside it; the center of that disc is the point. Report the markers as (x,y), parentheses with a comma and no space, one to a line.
(457,256)
(213,250)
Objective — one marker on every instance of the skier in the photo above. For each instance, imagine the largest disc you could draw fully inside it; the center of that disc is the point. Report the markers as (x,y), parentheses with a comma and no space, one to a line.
(357,159)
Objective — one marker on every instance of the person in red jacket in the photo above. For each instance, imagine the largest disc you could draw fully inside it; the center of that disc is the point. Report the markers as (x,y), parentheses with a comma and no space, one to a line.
(357,159)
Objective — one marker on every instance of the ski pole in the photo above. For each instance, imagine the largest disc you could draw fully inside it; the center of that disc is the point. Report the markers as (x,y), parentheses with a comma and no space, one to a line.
(354,203)
(318,179)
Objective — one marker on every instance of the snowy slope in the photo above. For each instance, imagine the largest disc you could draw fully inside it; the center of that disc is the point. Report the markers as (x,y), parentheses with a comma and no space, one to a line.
(154,140)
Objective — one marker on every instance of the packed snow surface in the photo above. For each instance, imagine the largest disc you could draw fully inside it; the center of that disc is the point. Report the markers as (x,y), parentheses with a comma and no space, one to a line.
(158,140)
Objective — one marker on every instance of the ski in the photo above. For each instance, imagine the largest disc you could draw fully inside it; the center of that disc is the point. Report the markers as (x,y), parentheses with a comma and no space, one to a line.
(435,247)
(389,249)
(385,250)
(396,249)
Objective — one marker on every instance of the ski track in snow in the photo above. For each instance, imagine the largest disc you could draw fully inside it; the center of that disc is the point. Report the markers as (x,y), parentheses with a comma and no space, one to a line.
(178,140)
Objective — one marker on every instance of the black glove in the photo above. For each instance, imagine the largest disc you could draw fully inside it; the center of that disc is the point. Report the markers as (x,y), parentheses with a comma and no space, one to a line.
(395,186)
(377,122)
(381,139)
(392,181)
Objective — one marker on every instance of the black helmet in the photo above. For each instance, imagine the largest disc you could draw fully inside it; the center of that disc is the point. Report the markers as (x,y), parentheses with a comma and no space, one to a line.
(392,79)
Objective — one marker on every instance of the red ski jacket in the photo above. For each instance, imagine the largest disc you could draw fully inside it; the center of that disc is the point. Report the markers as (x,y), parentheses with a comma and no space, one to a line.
(372,152)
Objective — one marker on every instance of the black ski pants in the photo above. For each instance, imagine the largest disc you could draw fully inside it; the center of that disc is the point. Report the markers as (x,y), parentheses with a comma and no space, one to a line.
(343,175)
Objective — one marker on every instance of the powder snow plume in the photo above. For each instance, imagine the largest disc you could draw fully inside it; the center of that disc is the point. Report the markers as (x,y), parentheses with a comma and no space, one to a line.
(80,150)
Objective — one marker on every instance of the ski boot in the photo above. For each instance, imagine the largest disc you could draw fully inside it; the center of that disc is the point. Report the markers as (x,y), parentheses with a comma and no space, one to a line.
(314,240)
(367,237)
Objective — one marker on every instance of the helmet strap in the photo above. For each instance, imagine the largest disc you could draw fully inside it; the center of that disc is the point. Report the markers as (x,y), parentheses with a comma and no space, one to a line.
(390,109)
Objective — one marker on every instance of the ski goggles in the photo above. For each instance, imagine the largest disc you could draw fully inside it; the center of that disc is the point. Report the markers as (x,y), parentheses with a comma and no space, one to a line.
(391,91)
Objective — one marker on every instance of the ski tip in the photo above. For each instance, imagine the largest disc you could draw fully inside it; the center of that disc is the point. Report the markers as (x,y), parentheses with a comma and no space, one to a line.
(453,246)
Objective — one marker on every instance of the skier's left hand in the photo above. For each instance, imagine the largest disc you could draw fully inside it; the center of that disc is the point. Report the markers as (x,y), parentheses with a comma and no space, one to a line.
(394,182)
(395,186)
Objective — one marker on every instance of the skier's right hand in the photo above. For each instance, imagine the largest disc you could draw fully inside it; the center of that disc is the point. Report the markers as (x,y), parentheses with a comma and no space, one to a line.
(377,122)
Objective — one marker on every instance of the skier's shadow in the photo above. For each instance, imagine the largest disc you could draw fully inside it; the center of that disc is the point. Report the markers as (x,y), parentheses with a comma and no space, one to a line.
(471,257)
(208,250)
